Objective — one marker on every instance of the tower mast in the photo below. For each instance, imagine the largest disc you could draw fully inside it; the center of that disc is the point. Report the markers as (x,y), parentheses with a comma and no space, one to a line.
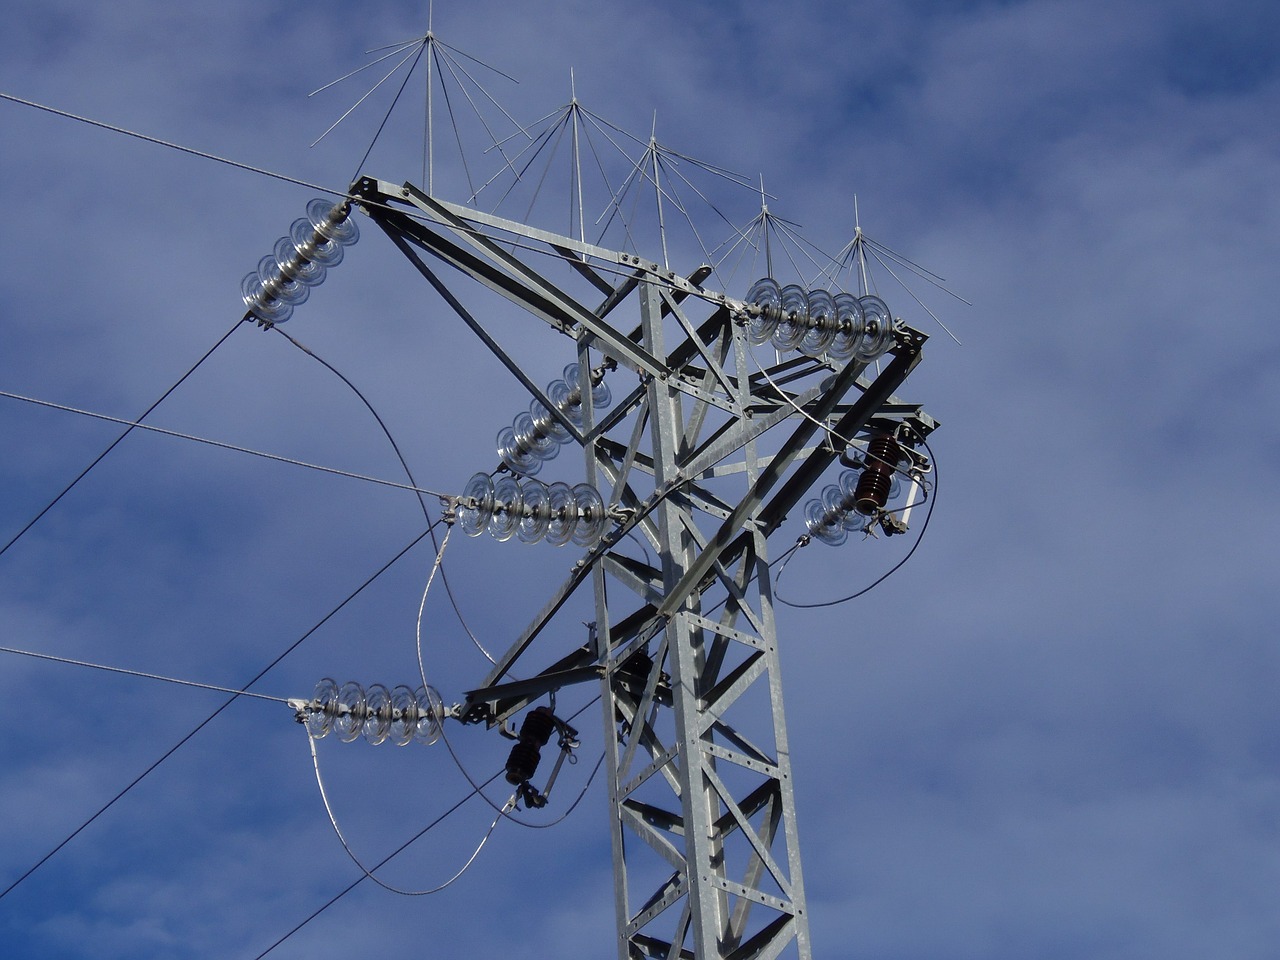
(704,458)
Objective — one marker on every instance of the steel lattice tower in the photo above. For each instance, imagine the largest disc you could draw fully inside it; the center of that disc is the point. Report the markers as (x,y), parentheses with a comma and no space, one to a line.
(704,458)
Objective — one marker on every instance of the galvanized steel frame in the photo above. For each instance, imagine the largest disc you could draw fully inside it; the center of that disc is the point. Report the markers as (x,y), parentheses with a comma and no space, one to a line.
(704,836)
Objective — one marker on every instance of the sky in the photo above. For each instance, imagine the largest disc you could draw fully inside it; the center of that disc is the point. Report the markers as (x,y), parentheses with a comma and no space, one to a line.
(1053,732)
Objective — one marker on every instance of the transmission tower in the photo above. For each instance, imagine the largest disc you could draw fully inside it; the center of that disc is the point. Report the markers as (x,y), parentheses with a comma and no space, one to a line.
(704,457)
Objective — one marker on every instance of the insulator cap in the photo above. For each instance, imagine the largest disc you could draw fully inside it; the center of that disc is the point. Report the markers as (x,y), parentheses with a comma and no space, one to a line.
(794,325)
(508,507)
(823,324)
(474,513)
(877,335)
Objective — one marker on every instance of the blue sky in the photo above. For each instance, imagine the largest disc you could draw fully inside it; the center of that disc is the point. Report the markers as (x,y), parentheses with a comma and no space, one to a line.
(1053,733)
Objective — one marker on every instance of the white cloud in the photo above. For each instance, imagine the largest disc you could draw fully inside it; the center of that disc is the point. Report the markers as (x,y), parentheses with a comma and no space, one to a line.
(1049,734)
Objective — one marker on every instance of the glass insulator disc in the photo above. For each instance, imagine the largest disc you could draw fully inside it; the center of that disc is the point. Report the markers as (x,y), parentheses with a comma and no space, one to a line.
(330,222)
(546,423)
(350,719)
(528,437)
(517,457)
(766,295)
(286,289)
(823,325)
(537,512)
(849,484)
(266,309)
(591,515)
(430,711)
(404,716)
(601,395)
(567,400)
(508,504)
(474,519)
(877,335)
(377,720)
(313,246)
(564,514)
(324,705)
(297,267)
(823,527)
(794,324)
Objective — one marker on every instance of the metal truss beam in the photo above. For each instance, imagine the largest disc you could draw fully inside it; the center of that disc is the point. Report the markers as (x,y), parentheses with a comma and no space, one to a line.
(705,458)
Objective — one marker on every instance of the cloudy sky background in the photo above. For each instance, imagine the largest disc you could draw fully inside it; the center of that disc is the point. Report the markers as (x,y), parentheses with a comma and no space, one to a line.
(1052,734)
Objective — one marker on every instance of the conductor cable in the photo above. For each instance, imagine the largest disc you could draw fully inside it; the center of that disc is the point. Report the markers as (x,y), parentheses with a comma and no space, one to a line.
(891,571)
(207,720)
(408,473)
(221,444)
(145,676)
(315,762)
(116,442)
(377,866)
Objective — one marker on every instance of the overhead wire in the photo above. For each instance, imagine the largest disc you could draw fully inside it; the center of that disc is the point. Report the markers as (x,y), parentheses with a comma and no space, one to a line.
(131,425)
(333,821)
(172,146)
(435,568)
(386,431)
(933,499)
(116,442)
(377,866)
(824,427)
(333,191)
(222,445)
(140,674)
(930,494)
(203,723)
(271,174)
(477,788)
(504,810)
(514,819)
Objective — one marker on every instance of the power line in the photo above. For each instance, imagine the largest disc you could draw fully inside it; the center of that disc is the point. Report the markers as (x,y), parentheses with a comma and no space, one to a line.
(444,578)
(884,576)
(351,854)
(201,725)
(221,444)
(172,146)
(114,443)
(377,866)
(140,674)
